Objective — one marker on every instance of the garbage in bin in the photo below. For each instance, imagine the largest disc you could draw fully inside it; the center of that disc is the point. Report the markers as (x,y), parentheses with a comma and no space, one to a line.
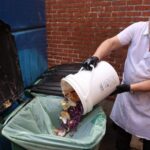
(33,127)
(70,116)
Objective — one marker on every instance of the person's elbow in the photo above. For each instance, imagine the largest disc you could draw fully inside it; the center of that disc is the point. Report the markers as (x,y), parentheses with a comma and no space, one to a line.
(114,43)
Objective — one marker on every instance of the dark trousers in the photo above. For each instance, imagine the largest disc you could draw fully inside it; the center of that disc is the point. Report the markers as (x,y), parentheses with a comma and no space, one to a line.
(123,140)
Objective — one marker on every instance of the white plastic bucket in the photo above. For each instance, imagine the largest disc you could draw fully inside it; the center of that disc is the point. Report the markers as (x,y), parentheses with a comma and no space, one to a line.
(92,86)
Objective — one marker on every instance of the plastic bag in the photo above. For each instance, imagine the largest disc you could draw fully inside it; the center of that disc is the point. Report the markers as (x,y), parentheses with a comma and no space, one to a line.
(33,127)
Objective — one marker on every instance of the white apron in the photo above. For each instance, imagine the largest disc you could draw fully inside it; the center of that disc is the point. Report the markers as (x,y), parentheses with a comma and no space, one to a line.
(132,111)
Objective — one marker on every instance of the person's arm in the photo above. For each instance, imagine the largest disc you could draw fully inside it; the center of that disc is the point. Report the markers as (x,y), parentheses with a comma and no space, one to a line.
(143,86)
(107,46)
(103,50)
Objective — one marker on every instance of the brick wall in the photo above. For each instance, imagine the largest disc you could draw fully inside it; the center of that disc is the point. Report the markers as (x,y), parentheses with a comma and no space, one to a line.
(75,28)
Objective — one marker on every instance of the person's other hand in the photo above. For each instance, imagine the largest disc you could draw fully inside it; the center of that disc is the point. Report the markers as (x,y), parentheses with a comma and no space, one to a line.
(91,61)
(121,89)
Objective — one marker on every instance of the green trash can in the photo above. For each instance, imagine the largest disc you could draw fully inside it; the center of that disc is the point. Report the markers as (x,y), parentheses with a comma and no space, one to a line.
(32,127)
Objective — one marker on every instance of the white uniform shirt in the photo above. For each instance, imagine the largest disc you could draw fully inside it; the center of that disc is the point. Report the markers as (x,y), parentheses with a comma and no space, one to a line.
(132,111)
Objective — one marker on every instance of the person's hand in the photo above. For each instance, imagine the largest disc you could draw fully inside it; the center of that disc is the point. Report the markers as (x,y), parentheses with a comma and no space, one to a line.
(91,61)
(121,88)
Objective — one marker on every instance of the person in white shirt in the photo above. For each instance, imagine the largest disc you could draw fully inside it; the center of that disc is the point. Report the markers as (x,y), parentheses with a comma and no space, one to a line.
(131,110)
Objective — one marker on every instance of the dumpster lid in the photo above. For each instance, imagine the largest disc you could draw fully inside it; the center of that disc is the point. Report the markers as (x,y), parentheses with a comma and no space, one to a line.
(11,83)
(49,82)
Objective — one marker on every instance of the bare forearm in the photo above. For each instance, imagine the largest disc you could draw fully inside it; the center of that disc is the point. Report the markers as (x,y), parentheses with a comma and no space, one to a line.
(143,86)
(107,46)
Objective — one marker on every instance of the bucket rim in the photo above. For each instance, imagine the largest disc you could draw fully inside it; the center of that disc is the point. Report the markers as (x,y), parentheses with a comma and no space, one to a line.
(74,86)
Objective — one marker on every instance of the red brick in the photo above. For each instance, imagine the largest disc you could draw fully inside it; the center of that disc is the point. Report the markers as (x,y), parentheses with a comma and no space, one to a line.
(119,2)
(143,8)
(134,2)
(146,14)
(146,2)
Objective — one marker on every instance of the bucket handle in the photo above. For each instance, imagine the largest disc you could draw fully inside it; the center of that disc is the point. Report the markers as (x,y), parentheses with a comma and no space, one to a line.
(82,68)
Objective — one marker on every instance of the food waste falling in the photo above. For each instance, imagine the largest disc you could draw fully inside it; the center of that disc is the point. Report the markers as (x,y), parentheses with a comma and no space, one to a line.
(70,115)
